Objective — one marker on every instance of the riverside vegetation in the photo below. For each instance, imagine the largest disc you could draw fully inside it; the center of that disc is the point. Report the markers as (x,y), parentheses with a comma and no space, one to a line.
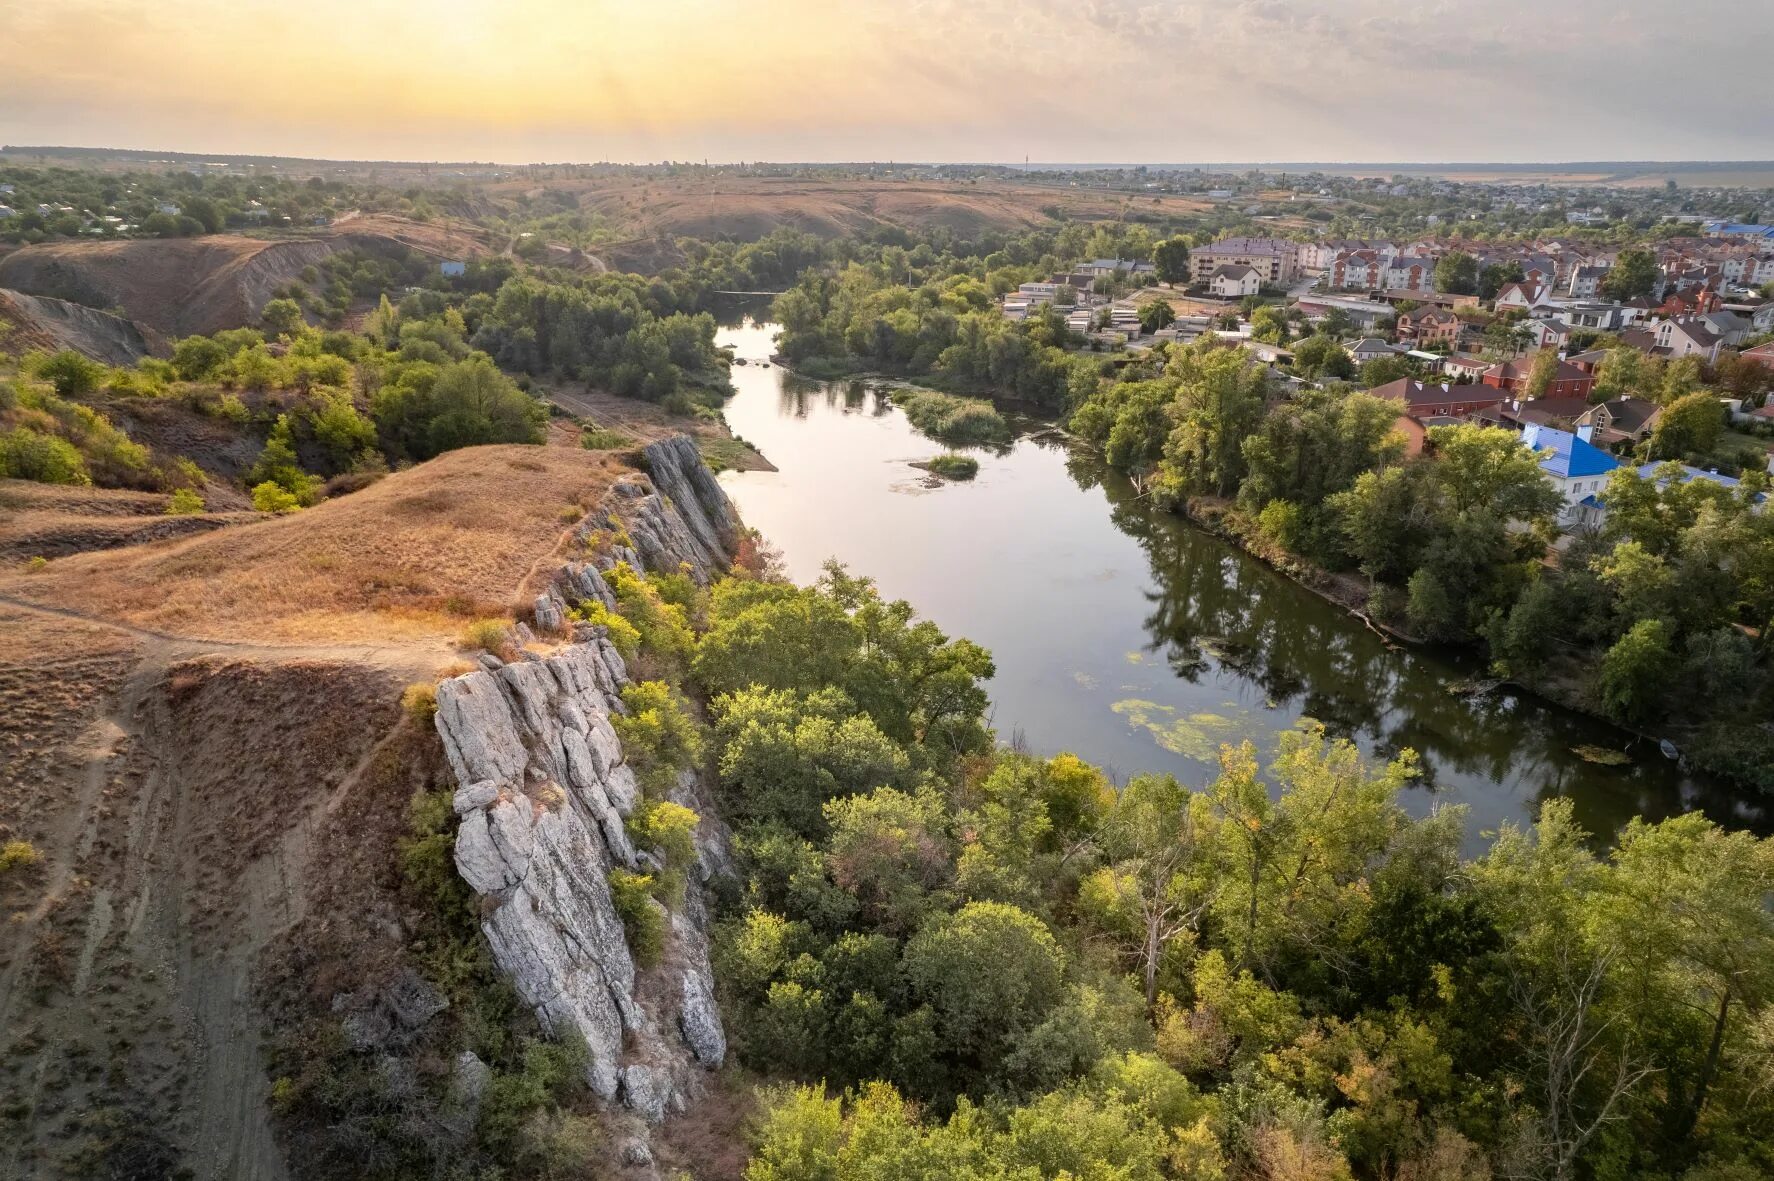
(965,961)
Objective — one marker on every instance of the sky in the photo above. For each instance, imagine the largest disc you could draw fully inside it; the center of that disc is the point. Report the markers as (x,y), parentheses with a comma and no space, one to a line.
(517,81)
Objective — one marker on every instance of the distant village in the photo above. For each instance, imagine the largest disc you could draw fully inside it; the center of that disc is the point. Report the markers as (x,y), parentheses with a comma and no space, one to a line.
(1463,353)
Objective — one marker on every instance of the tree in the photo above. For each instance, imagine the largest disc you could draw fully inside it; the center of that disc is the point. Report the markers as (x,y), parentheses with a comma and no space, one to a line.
(1269,323)
(988,973)
(1633,275)
(1157,314)
(1381,370)
(1635,671)
(1322,356)
(1219,402)
(70,373)
(1156,885)
(1688,428)
(1478,467)
(282,317)
(1171,258)
(1493,277)
(1543,373)
(1457,274)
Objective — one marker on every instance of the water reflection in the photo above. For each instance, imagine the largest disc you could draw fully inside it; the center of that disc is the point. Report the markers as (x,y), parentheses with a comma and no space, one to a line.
(1139,642)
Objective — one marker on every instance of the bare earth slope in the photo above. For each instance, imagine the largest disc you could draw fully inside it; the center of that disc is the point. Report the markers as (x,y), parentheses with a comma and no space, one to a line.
(176,287)
(746,208)
(200,738)
(43,322)
(410,556)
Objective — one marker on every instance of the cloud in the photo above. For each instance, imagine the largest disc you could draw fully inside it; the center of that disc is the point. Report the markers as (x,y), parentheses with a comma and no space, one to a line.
(1077,80)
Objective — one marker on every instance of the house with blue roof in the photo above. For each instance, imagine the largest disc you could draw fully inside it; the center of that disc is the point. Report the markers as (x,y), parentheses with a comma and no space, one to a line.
(1732,229)
(1655,471)
(1577,468)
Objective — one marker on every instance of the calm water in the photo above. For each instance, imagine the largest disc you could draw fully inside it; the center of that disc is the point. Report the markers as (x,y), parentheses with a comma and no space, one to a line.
(1124,635)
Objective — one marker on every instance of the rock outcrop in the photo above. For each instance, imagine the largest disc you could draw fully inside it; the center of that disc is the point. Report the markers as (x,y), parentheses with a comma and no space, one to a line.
(543,793)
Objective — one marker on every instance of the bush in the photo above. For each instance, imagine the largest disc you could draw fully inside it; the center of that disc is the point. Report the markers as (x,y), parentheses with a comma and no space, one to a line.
(596,438)
(185,502)
(26,454)
(419,700)
(669,831)
(952,467)
(659,737)
(271,497)
(16,855)
(952,419)
(621,632)
(643,919)
(70,373)
(490,635)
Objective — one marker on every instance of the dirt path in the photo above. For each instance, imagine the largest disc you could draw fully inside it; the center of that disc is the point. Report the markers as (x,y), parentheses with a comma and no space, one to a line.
(127,980)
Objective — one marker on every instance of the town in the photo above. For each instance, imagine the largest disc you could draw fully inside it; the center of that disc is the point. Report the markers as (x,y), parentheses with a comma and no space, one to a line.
(1579,348)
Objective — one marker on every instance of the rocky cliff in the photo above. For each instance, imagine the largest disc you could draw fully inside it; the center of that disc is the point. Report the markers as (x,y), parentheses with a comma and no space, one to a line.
(543,793)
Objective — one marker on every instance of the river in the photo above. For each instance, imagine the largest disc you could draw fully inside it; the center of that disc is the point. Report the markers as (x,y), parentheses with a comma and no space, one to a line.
(1129,637)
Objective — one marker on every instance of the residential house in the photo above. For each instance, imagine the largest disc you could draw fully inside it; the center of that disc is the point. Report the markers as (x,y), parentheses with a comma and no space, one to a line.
(1369,347)
(1547,334)
(1730,328)
(1590,361)
(1426,400)
(1594,315)
(1276,260)
(1576,467)
(1687,474)
(1620,421)
(1524,296)
(1234,281)
(1586,282)
(1464,368)
(1101,267)
(1685,337)
(1426,326)
(1762,354)
(1762,319)
(7,211)
(1568,381)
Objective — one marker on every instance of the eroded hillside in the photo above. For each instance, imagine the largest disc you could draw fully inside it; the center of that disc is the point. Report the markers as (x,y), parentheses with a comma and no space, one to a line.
(209,763)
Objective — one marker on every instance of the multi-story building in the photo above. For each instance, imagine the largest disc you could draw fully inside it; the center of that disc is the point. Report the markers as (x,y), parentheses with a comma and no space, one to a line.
(1276,260)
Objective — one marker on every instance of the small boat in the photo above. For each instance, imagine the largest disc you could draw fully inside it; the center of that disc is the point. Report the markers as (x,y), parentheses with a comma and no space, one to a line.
(1669,750)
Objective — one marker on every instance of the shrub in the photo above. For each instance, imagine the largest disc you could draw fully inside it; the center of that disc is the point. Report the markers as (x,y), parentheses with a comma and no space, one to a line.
(953,467)
(596,438)
(70,373)
(621,632)
(669,831)
(185,502)
(26,454)
(419,700)
(490,635)
(659,737)
(952,419)
(643,919)
(36,563)
(271,497)
(16,855)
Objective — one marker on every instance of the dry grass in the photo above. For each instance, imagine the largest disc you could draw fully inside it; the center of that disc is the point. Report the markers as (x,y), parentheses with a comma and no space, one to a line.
(414,556)
(751,207)
(46,520)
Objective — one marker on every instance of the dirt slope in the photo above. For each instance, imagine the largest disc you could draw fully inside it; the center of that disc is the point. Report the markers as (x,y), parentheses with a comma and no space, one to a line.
(411,556)
(172,790)
(746,208)
(176,287)
(45,323)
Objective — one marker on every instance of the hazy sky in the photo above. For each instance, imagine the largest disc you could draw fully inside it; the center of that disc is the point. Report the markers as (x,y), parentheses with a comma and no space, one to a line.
(1056,80)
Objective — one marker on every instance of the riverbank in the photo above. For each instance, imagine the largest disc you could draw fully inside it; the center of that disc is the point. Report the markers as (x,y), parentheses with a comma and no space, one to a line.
(1708,748)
